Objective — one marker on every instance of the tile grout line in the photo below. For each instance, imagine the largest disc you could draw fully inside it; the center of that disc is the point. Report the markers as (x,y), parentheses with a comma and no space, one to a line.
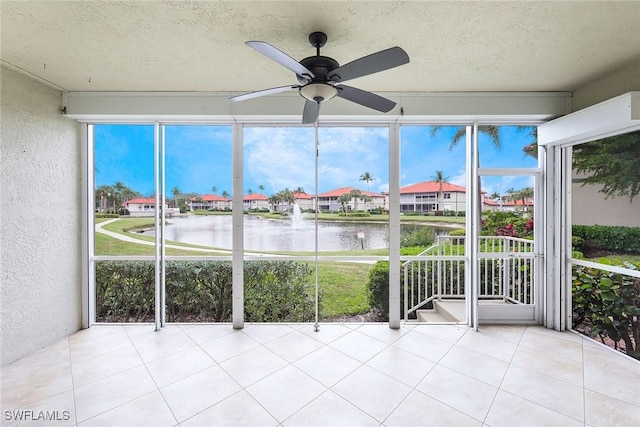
(415,388)
(499,388)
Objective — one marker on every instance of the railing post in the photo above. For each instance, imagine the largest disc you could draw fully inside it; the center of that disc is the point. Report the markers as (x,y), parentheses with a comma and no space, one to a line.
(406,293)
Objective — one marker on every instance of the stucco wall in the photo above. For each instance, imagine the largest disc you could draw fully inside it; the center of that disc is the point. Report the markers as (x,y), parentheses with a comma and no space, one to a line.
(589,207)
(626,79)
(40,264)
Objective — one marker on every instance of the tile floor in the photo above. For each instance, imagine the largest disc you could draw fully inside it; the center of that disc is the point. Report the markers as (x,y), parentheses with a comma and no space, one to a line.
(343,375)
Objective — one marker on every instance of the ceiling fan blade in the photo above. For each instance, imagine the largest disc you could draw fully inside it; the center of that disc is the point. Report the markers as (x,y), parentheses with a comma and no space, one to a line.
(281,58)
(264,92)
(370,64)
(310,112)
(365,98)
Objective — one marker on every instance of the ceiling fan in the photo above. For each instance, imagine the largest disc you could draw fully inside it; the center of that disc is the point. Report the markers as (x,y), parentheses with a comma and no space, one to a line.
(320,77)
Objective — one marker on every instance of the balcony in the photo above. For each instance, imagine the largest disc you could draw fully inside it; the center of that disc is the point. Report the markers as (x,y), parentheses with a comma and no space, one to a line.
(345,374)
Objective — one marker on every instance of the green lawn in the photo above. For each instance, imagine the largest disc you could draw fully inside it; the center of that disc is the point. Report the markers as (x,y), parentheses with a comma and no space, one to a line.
(344,290)
(106,245)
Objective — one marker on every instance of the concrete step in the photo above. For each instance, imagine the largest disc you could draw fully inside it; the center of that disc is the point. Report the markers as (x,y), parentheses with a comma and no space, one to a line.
(430,316)
(452,310)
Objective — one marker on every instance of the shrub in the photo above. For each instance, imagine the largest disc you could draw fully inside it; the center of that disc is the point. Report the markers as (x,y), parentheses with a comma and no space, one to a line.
(607,305)
(458,232)
(355,214)
(422,236)
(378,290)
(275,291)
(107,215)
(511,224)
(609,238)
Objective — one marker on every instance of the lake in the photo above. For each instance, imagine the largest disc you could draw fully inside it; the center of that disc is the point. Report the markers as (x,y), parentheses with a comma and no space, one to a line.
(262,234)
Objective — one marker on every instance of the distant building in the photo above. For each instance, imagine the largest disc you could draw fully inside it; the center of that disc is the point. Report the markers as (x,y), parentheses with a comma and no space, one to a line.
(146,206)
(329,201)
(209,202)
(305,201)
(425,197)
(255,201)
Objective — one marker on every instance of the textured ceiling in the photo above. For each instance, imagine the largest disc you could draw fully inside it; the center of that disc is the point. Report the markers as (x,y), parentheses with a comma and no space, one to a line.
(198,46)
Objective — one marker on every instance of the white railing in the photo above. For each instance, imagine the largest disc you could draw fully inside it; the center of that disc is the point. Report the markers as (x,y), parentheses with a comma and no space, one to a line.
(505,264)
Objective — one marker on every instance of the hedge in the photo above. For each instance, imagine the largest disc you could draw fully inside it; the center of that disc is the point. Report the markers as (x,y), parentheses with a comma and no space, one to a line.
(201,291)
(609,238)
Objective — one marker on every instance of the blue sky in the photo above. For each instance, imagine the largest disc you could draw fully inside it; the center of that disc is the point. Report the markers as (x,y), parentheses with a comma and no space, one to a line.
(199,157)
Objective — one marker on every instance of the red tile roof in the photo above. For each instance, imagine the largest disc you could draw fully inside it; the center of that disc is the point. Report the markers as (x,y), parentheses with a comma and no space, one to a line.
(431,187)
(211,198)
(249,197)
(340,191)
(142,200)
(301,196)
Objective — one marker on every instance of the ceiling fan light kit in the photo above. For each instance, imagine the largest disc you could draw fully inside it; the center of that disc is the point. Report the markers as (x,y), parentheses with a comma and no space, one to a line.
(320,77)
(318,92)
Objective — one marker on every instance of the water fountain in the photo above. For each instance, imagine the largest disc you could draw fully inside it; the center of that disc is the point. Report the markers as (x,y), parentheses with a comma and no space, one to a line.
(296,219)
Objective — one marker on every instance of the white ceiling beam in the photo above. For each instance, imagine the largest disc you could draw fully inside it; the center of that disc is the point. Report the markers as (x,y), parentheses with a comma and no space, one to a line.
(444,107)
(611,117)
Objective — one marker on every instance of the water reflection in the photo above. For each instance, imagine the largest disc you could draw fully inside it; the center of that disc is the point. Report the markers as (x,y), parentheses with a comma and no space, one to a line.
(261,234)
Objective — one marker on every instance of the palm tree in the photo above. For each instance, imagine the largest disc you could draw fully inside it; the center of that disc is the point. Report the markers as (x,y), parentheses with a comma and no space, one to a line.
(298,190)
(225,194)
(249,191)
(366,177)
(526,194)
(355,194)
(344,199)
(440,179)
(214,189)
(176,192)
(493,132)
(495,196)
(260,188)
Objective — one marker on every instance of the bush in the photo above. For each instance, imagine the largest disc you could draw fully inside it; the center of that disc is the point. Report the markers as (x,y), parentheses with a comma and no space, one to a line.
(510,224)
(355,214)
(422,236)
(609,238)
(607,305)
(458,232)
(378,290)
(200,291)
(107,215)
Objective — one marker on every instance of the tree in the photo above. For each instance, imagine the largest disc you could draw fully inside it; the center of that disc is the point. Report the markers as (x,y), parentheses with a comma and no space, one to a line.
(366,177)
(249,191)
(214,189)
(440,179)
(298,190)
(611,162)
(225,194)
(344,200)
(176,192)
(110,198)
(260,188)
(526,194)
(495,196)
(355,194)
(493,132)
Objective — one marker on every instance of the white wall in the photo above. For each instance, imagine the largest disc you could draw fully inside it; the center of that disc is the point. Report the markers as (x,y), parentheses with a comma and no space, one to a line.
(40,218)
(626,79)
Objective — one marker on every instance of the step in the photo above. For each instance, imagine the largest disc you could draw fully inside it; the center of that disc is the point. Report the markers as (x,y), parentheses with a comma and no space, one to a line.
(452,310)
(430,316)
